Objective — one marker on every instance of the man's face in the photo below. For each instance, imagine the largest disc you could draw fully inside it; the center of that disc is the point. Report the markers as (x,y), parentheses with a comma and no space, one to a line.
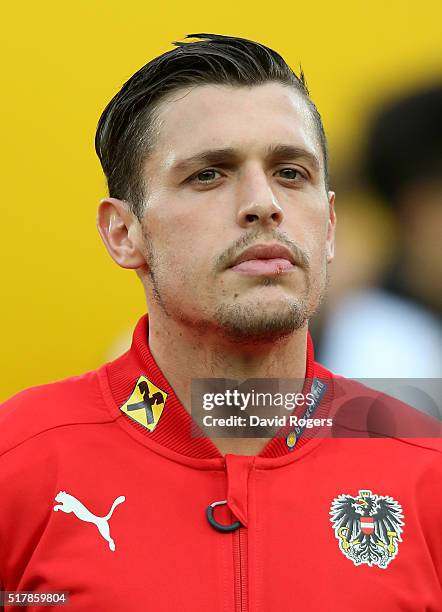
(233,168)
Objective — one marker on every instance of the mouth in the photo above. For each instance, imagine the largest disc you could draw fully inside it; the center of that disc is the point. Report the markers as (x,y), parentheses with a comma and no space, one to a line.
(264,259)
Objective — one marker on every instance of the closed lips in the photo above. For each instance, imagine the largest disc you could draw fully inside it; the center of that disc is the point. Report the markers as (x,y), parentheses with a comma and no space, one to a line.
(265,251)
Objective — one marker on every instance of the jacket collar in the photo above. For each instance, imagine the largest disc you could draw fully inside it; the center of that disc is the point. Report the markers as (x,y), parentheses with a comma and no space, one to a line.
(174,427)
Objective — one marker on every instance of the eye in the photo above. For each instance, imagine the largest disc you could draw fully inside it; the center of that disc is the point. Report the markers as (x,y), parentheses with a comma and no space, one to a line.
(205,176)
(292,174)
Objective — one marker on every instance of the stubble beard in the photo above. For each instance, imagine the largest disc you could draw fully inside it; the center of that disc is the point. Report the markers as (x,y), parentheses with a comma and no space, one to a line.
(250,323)
(242,323)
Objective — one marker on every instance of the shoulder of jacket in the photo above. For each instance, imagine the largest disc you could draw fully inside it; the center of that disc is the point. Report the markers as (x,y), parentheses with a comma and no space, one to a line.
(362,406)
(77,399)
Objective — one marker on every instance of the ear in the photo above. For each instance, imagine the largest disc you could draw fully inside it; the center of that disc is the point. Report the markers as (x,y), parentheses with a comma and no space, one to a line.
(331,227)
(121,233)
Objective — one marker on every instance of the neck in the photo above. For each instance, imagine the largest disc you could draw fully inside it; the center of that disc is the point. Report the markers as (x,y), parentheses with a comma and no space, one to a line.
(183,353)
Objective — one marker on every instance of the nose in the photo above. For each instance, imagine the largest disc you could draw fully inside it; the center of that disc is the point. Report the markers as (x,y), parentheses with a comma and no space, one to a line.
(258,204)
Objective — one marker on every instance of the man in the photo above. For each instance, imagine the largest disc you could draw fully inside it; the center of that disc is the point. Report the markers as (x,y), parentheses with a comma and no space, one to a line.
(216,164)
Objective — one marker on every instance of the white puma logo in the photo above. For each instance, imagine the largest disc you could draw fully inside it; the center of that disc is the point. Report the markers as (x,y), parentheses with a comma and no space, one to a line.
(68,503)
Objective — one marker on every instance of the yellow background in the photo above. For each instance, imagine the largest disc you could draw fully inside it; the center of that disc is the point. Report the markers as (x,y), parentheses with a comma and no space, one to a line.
(64,302)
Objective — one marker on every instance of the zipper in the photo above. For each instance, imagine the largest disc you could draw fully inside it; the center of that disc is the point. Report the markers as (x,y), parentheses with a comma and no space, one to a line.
(240,568)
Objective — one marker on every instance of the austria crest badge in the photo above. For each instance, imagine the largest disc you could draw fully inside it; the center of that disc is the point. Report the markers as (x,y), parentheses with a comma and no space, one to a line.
(368,527)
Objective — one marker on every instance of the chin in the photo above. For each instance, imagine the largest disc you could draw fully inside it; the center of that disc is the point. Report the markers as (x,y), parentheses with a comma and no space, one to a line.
(259,321)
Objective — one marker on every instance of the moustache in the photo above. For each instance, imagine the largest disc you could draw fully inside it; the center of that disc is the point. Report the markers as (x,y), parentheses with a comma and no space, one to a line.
(300,257)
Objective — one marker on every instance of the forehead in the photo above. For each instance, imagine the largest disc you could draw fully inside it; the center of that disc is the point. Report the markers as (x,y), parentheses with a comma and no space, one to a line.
(248,119)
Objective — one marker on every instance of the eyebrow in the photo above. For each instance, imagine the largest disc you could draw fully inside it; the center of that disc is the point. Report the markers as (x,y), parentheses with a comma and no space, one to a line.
(282,152)
(229,157)
(210,157)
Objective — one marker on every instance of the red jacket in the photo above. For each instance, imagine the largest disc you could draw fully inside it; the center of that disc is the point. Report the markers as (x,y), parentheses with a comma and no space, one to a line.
(115,513)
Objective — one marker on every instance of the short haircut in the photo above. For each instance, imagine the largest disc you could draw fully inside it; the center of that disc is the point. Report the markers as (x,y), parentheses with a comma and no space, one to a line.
(125,131)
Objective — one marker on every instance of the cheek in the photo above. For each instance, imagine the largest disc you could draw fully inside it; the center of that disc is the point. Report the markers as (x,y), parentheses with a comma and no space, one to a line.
(178,258)
(177,221)
(171,240)
(187,243)
(313,229)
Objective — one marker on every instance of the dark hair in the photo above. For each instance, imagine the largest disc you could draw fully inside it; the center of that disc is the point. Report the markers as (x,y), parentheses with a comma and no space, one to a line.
(125,136)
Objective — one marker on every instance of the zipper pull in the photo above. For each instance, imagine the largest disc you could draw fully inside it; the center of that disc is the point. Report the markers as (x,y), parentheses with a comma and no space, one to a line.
(238,469)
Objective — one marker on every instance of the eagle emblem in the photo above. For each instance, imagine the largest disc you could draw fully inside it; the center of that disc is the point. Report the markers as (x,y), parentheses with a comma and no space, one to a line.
(368,527)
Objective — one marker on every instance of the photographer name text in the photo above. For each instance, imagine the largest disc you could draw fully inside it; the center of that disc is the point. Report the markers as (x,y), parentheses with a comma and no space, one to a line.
(256,421)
